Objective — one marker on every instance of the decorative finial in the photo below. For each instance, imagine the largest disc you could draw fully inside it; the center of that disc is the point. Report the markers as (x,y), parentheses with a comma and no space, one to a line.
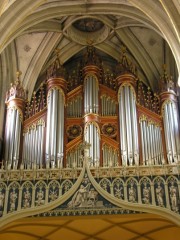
(125,64)
(16,90)
(166,81)
(18,74)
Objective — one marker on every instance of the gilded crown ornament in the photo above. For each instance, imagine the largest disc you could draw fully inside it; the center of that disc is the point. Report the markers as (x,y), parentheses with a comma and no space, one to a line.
(56,69)
(125,65)
(166,81)
(16,90)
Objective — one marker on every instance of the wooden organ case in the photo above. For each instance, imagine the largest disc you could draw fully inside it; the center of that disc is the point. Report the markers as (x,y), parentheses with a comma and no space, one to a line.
(119,116)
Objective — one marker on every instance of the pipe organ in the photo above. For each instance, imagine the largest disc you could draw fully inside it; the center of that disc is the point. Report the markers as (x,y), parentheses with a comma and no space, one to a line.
(114,112)
(33,140)
(128,124)
(110,156)
(171,130)
(55,122)
(91,103)
(74,157)
(91,135)
(15,100)
(74,107)
(108,106)
(151,142)
(14,121)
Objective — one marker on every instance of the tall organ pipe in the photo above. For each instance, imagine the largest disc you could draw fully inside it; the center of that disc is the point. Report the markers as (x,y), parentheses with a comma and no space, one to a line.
(128,126)
(171,131)
(123,127)
(55,121)
(49,111)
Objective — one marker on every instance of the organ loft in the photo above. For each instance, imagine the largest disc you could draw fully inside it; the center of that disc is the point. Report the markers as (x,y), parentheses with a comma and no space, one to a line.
(91,137)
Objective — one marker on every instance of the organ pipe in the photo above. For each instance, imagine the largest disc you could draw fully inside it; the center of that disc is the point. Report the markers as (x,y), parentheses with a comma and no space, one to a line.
(151,141)
(171,131)
(33,145)
(13,134)
(55,122)
(128,130)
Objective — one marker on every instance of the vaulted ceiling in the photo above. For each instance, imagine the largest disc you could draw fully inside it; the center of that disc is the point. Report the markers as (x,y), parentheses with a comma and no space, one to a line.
(30,31)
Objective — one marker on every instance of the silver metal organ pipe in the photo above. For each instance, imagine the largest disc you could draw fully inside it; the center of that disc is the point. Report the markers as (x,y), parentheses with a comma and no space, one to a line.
(136,143)
(12,136)
(145,142)
(58,125)
(161,146)
(94,142)
(169,130)
(10,123)
(171,124)
(128,125)
(27,151)
(93,93)
(176,128)
(33,143)
(52,126)
(85,96)
(36,145)
(26,136)
(158,150)
(62,125)
(175,131)
(17,137)
(103,153)
(40,140)
(60,137)
(142,142)
(166,130)
(97,99)
(90,140)
(56,91)
(122,119)
(89,92)
(30,147)
(7,134)
(156,144)
(151,143)
(49,111)
(98,149)
(133,121)
(24,148)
